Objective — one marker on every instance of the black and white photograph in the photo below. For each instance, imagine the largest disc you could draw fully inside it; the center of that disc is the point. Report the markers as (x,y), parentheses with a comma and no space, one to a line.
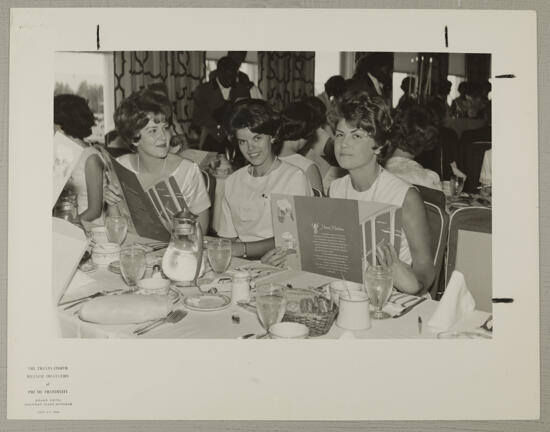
(195,132)
(267,209)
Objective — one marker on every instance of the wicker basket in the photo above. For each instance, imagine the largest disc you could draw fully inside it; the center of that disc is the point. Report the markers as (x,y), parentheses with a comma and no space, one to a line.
(318,324)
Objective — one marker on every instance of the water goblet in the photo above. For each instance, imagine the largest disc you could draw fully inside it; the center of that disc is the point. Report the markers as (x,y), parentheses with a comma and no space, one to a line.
(133,264)
(219,254)
(270,304)
(117,228)
(379,284)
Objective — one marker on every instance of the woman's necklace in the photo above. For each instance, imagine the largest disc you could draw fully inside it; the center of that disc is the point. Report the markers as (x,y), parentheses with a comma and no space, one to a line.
(163,165)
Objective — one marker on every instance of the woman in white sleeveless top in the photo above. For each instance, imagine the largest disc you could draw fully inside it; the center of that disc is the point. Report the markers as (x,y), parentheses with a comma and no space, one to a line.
(73,118)
(297,130)
(361,139)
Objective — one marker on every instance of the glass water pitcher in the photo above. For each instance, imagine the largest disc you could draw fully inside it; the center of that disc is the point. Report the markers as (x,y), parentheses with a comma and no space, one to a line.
(183,259)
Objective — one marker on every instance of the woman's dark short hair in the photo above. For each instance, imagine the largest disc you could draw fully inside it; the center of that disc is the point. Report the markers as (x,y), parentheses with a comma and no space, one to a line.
(132,114)
(256,115)
(335,86)
(319,109)
(299,121)
(369,113)
(415,128)
(73,115)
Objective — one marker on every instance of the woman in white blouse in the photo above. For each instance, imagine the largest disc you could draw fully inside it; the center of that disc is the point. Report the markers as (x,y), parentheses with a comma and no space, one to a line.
(246,205)
(361,139)
(414,131)
(141,119)
(297,132)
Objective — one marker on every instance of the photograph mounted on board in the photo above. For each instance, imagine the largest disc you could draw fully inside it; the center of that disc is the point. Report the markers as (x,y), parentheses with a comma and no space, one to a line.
(294,193)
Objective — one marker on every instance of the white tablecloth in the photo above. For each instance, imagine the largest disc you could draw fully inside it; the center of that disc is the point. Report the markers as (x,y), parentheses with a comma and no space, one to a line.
(219,324)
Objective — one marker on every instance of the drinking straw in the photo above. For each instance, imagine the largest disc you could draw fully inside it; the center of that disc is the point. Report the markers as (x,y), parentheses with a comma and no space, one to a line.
(347,288)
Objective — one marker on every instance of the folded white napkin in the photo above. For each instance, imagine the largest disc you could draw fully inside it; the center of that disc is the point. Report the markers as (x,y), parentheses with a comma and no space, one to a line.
(456,301)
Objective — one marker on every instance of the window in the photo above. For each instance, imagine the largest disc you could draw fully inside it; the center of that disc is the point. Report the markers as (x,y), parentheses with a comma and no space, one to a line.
(398,77)
(89,75)
(327,64)
(455,82)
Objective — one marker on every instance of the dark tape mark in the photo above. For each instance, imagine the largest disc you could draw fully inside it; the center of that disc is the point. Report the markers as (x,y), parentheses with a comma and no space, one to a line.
(446,37)
(97,36)
(505,76)
(503,300)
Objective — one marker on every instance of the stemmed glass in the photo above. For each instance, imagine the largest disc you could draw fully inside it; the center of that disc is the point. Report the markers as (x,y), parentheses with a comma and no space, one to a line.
(456,184)
(117,228)
(133,264)
(379,284)
(270,304)
(219,254)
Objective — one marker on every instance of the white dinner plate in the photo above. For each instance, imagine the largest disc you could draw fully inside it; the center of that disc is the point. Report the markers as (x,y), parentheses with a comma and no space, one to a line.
(207,302)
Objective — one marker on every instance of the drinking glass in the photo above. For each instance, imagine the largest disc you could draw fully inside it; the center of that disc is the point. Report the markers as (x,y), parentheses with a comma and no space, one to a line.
(219,254)
(117,227)
(132,264)
(379,284)
(457,184)
(270,304)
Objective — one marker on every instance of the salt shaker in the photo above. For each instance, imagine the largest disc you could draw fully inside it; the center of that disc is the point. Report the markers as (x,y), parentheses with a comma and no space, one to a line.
(240,291)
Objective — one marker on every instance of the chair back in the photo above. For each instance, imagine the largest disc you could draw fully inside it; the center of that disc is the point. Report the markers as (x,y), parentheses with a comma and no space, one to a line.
(438,220)
(469,251)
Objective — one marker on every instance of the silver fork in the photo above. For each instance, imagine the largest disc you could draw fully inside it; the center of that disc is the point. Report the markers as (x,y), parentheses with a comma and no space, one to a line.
(173,317)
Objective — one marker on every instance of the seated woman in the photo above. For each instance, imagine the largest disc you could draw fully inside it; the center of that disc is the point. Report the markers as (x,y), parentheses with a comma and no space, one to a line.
(414,131)
(73,118)
(297,132)
(141,119)
(246,207)
(361,139)
(321,149)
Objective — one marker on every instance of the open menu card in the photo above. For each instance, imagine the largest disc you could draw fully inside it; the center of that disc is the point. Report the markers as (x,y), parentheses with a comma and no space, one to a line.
(152,209)
(333,236)
(69,244)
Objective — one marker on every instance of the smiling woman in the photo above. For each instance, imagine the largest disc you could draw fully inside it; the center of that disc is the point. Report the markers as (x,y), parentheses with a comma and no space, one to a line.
(141,120)
(246,208)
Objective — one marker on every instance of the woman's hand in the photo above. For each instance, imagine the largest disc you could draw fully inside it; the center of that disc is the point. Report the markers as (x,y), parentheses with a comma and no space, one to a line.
(403,276)
(275,257)
(112,194)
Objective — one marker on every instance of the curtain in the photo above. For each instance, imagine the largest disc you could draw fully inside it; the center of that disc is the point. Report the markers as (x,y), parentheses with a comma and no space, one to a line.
(286,76)
(180,71)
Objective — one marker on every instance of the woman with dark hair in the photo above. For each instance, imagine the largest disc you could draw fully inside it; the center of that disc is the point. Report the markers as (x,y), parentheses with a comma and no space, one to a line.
(297,133)
(73,118)
(414,131)
(321,149)
(246,206)
(141,119)
(361,142)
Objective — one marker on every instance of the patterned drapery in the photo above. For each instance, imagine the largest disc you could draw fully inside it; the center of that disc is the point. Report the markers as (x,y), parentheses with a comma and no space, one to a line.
(180,71)
(286,76)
